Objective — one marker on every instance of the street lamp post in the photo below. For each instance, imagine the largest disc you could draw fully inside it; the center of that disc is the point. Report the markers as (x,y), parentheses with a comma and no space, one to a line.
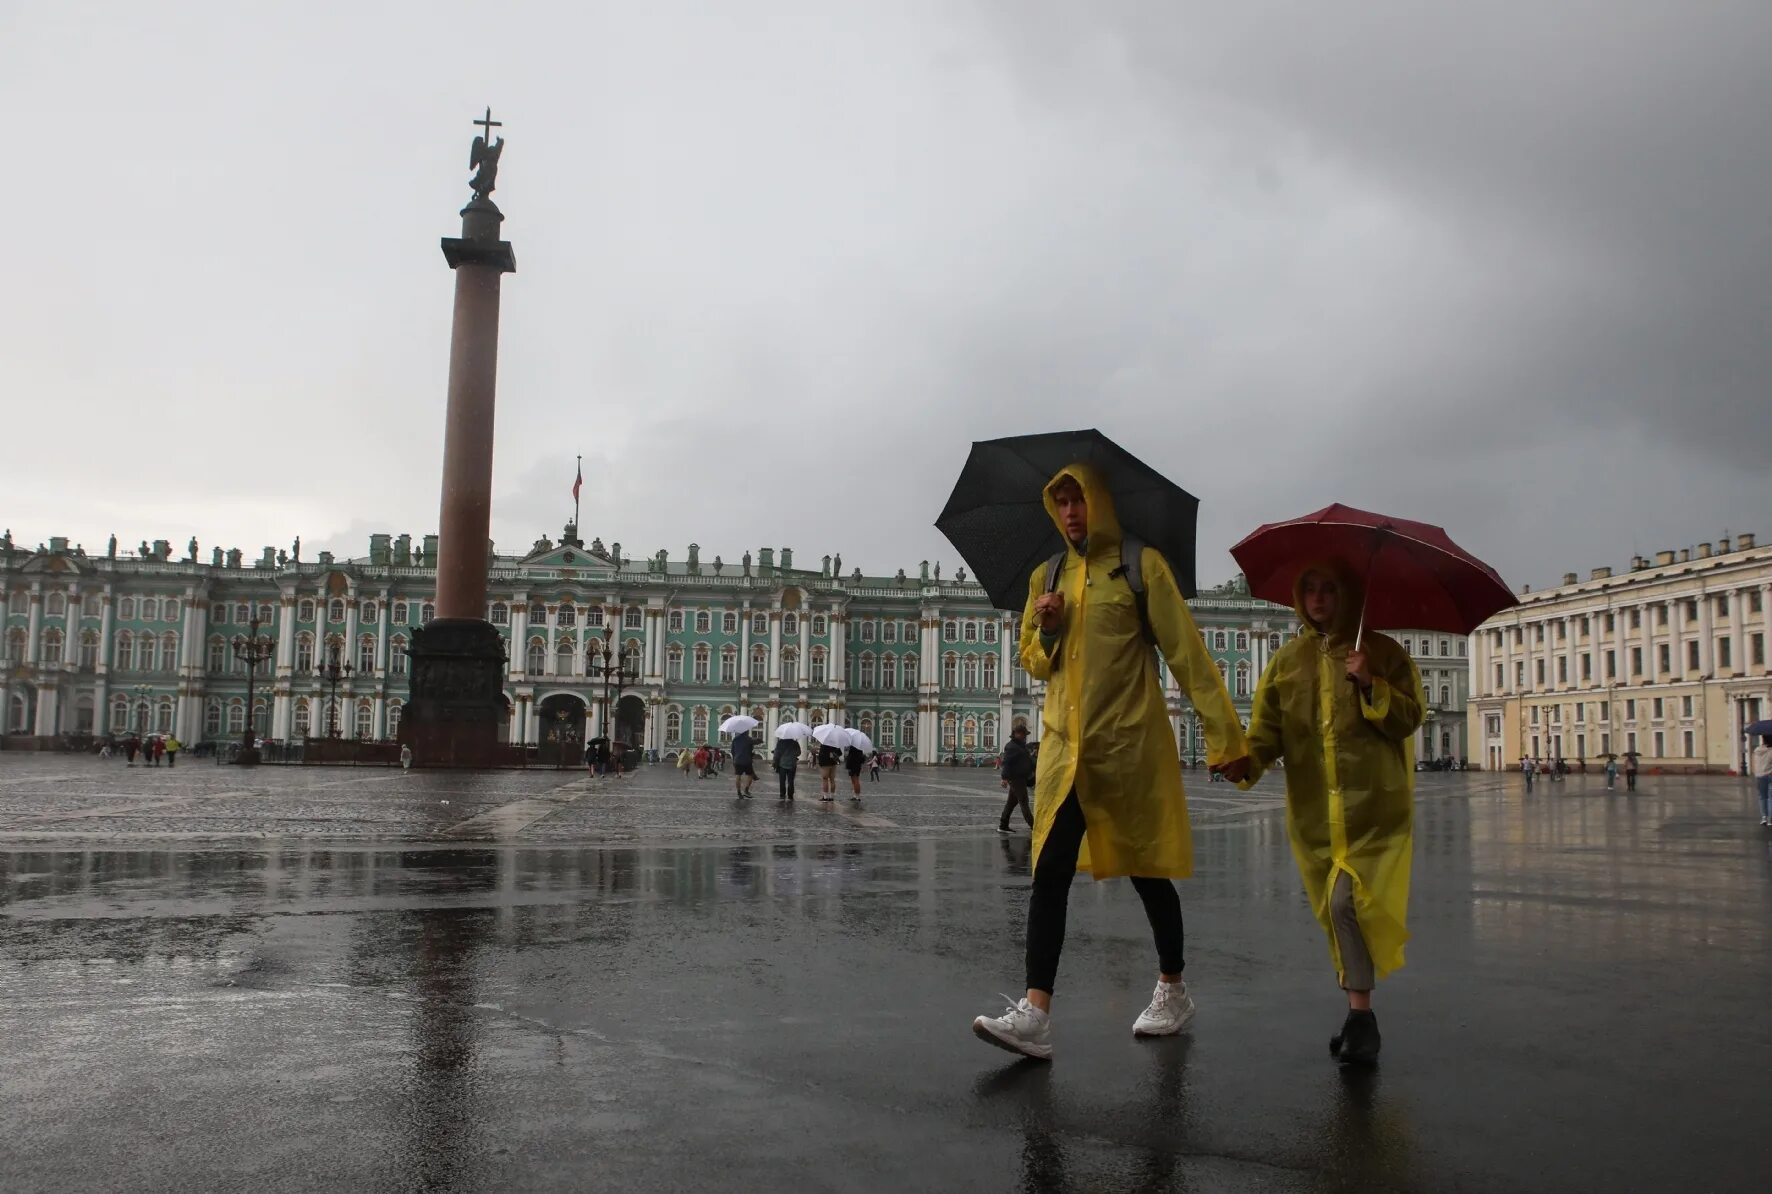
(251,649)
(330,673)
(142,693)
(598,664)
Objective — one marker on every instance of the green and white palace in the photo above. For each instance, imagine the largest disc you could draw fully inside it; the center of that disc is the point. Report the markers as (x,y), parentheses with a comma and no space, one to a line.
(655,651)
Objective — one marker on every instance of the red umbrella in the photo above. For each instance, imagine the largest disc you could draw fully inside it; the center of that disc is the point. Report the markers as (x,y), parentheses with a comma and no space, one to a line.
(1415,577)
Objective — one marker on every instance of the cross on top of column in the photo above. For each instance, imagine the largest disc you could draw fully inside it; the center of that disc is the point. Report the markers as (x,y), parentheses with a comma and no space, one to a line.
(487,124)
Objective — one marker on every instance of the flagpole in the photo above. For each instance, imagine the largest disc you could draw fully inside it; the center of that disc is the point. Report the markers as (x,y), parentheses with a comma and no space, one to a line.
(575,485)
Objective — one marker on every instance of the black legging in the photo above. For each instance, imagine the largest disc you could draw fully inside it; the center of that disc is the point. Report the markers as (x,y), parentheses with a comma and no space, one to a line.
(1051,897)
(787,783)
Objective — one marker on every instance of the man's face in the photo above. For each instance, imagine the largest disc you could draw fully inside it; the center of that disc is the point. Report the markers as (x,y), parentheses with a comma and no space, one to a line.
(1322,598)
(1073,511)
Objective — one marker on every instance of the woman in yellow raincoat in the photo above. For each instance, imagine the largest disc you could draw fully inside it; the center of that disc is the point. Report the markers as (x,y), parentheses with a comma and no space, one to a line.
(1108,796)
(1343,719)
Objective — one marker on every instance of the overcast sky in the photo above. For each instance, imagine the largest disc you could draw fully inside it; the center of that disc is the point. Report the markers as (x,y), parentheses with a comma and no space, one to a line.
(1507,268)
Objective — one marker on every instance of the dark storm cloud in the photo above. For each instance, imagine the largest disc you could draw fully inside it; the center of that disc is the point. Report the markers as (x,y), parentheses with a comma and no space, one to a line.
(1501,266)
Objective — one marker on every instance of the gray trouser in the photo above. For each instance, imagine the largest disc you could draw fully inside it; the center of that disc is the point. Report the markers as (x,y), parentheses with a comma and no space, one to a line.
(1356,960)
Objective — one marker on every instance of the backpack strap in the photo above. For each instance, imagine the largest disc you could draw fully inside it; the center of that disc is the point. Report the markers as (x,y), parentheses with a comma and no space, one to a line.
(1132,568)
(1054,570)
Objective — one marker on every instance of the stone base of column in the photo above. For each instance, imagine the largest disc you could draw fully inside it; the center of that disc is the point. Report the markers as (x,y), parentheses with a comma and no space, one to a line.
(457,705)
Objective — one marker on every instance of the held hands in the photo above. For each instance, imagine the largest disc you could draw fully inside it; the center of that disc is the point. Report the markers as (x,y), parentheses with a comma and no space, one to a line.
(1358,671)
(1049,609)
(1237,770)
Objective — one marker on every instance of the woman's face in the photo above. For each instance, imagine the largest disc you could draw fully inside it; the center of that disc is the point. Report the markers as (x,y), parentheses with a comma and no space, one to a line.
(1322,598)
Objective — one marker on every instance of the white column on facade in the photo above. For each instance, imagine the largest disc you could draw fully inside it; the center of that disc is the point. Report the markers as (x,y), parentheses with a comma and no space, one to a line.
(282,676)
(1706,649)
(351,611)
(775,647)
(71,632)
(384,637)
(548,667)
(286,635)
(806,649)
(34,628)
(48,702)
(651,669)
(379,728)
(104,633)
(519,636)
(1648,633)
(189,725)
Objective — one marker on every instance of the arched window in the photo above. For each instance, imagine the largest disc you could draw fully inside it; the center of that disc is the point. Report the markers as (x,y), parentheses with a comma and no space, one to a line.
(673,725)
(261,718)
(704,621)
(148,610)
(304,719)
(93,606)
(1242,678)
(674,621)
(969,734)
(125,607)
(817,675)
(212,719)
(702,657)
(366,653)
(888,672)
(568,615)
(367,612)
(1218,640)
(790,625)
(909,678)
(630,656)
(970,632)
(728,623)
(304,652)
(1445,695)
(889,632)
(535,657)
(950,732)
(144,652)
(365,719)
(56,606)
(888,730)
(20,602)
(169,652)
(950,630)
(866,724)
(52,646)
(426,613)
(950,670)
(1273,641)
(759,623)
(867,631)
(119,715)
(633,619)
(817,718)
(501,614)
(759,664)
(123,654)
(790,667)
(395,708)
(215,657)
(88,648)
(400,612)
(907,736)
(169,609)
(594,617)
(990,670)
(674,662)
(819,626)
(15,647)
(990,632)
(867,671)
(163,716)
(564,657)
(304,610)
(969,672)
(397,655)
(1242,640)
(335,610)
(698,723)
(729,664)
(1222,671)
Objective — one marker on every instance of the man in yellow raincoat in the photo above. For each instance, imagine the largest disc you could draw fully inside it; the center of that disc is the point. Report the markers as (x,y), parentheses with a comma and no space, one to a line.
(1343,720)
(1108,796)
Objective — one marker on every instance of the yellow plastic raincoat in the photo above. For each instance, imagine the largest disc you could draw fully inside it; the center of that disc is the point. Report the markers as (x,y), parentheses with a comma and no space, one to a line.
(1106,729)
(1350,767)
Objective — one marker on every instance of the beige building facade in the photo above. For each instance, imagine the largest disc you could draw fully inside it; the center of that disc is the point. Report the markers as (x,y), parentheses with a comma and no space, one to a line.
(1667,659)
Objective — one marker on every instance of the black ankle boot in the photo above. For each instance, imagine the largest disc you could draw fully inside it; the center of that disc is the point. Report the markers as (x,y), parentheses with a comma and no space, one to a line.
(1358,1041)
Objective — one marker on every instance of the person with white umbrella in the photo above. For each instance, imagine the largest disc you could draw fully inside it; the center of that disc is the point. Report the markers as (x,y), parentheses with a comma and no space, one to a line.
(855,757)
(832,741)
(744,774)
(787,754)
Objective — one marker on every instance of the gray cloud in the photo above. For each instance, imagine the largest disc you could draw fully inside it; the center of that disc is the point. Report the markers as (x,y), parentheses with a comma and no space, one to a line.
(1504,268)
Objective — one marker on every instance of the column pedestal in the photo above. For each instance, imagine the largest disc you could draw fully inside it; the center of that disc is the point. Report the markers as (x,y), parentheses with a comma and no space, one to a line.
(457,703)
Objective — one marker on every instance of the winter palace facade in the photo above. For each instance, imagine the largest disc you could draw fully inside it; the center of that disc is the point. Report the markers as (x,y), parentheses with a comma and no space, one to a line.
(143,641)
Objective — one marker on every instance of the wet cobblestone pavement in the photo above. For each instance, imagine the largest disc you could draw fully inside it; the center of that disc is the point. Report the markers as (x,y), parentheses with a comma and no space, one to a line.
(325,978)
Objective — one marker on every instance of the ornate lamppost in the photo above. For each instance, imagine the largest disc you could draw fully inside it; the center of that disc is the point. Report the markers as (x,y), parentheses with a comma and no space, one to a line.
(142,693)
(603,661)
(330,673)
(251,649)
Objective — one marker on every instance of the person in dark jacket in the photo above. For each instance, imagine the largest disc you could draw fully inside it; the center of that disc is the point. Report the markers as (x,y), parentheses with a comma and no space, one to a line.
(1018,772)
(853,761)
(786,760)
(744,773)
(828,758)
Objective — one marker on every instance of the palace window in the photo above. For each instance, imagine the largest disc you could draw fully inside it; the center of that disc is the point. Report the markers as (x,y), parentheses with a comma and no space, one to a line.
(630,656)
(867,631)
(988,734)
(888,730)
(759,623)
(701,663)
(1242,640)
(969,734)
(400,612)
(728,623)
(427,613)
(790,667)
(1725,657)
(1218,640)
(218,613)
(950,630)
(969,632)
(125,607)
(907,736)
(990,671)
(594,617)
(568,615)
(335,610)
(367,611)
(969,672)
(704,621)
(236,716)
(212,720)
(163,717)
(150,610)
(1409,646)
(564,658)
(20,602)
(1692,656)
(144,653)
(818,666)
(673,725)
(1445,696)
(52,646)
(867,672)
(698,722)
(1273,641)
(501,614)
(397,660)
(729,664)
(790,625)
(216,656)
(304,652)
(1242,678)
(674,662)
(365,719)
(395,708)
(990,632)
(759,664)
(888,632)
(88,649)
(950,732)
(93,606)
(819,626)
(304,610)
(674,624)
(119,713)
(888,672)
(633,619)
(909,672)
(950,671)
(1757,650)
(366,654)
(122,658)
(56,606)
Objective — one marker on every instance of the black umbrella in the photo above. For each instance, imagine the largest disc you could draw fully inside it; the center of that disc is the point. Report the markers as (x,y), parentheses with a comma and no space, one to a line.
(997,517)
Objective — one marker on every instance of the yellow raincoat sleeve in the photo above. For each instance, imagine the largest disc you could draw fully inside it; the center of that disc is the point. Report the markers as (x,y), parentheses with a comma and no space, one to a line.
(1179,640)
(1266,744)
(1394,708)
(1034,659)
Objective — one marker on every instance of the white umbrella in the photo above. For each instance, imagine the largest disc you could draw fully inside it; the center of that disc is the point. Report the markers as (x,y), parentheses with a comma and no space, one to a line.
(831,734)
(861,742)
(738,724)
(797,730)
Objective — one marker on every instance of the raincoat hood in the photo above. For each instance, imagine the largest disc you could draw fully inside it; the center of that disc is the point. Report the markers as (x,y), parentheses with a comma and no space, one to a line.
(1347,607)
(1103,522)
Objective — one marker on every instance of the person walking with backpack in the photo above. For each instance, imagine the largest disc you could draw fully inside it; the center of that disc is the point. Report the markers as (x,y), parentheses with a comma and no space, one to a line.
(1762,763)
(1018,769)
(1109,796)
(853,762)
(744,773)
(787,761)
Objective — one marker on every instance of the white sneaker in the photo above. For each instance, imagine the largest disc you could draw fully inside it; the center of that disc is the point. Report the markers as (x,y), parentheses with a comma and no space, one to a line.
(1022,1028)
(1171,1010)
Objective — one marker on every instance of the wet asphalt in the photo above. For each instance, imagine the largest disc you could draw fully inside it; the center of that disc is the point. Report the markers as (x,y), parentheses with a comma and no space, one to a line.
(321,978)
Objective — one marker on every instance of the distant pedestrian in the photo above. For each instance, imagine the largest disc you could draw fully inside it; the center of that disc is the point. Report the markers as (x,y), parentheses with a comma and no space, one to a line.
(159,749)
(405,758)
(701,762)
(1611,773)
(1529,768)
(131,745)
(1763,778)
(895,760)
(786,760)
(685,760)
(744,772)
(173,746)
(874,767)
(1018,770)
(1630,771)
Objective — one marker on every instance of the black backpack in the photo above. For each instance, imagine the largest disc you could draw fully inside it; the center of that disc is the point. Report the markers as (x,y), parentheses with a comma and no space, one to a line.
(1131,567)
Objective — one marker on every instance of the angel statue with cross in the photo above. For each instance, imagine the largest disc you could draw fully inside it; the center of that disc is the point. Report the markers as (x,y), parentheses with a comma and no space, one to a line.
(484,157)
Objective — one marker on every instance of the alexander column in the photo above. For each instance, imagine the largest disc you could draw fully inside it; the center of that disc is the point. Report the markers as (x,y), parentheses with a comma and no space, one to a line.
(458,660)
